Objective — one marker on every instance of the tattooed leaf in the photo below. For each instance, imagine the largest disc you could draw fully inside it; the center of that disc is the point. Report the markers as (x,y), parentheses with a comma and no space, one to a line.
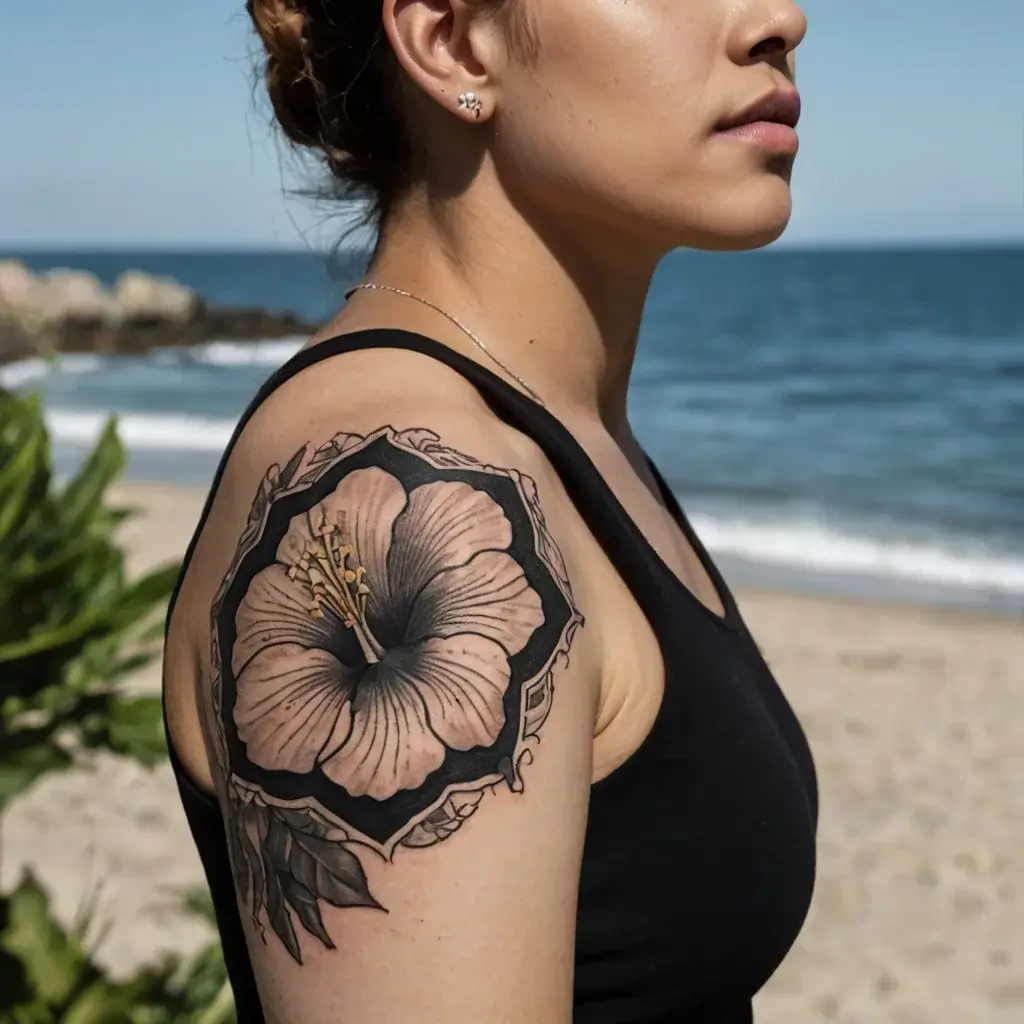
(305,904)
(239,861)
(266,488)
(259,884)
(293,464)
(275,859)
(310,477)
(276,842)
(259,507)
(330,872)
(277,913)
(418,437)
(326,453)
(301,820)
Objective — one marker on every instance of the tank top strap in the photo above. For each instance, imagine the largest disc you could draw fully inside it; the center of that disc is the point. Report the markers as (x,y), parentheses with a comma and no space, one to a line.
(651,582)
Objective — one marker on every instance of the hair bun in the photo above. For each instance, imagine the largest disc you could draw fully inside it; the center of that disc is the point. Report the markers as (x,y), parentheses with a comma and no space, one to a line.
(331,78)
(283,28)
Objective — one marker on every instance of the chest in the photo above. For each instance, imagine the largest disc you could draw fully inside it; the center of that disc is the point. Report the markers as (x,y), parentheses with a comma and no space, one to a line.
(699,861)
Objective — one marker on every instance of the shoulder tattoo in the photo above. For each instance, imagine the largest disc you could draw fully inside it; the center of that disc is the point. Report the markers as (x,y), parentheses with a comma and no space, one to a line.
(384,647)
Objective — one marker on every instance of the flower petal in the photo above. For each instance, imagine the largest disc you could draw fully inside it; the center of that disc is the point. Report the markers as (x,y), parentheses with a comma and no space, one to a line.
(290,703)
(275,610)
(444,525)
(363,508)
(390,746)
(489,595)
(462,680)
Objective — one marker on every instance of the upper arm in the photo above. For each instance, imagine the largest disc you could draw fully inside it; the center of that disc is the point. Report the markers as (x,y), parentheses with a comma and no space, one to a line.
(401,735)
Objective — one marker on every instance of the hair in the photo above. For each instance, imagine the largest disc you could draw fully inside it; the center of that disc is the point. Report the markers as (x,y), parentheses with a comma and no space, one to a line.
(335,87)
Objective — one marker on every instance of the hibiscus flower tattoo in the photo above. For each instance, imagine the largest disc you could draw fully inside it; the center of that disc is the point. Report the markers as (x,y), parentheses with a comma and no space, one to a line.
(385,645)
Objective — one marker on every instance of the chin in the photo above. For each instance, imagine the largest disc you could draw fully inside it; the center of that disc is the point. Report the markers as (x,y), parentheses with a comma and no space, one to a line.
(748,217)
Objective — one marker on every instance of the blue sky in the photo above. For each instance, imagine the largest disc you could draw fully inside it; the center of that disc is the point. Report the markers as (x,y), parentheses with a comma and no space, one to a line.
(133,123)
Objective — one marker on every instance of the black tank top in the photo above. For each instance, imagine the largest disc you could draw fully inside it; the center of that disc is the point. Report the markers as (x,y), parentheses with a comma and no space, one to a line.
(699,858)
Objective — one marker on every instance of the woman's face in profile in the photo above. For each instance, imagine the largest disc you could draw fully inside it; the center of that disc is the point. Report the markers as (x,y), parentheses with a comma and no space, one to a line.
(624,117)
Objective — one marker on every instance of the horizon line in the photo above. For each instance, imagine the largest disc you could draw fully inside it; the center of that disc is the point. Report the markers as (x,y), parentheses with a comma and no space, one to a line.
(11,250)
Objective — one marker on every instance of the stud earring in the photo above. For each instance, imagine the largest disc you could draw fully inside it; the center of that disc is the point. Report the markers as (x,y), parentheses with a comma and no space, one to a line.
(471,102)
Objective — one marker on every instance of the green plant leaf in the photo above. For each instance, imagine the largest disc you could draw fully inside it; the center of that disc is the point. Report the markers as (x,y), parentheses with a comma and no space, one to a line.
(204,981)
(198,901)
(15,986)
(71,626)
(221,1010)
(39,567)
(31,1013)
(48,639)
(54,962)
(100,1003)
(140,598)
(22,476)
(20,768)
(82,498)
(135,727)
(129,1002)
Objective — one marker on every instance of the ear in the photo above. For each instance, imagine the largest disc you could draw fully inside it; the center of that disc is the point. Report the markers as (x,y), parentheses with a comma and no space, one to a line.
(451,49)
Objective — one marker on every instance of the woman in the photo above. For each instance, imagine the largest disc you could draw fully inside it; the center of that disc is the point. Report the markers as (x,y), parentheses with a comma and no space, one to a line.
(488,738)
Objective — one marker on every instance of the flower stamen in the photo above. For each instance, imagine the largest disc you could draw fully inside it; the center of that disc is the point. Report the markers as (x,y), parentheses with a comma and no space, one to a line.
(336,581)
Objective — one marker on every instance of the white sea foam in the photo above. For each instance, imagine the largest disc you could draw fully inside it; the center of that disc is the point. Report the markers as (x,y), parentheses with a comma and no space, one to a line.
(23,372)
(26,371)
(80,363)
(793,543)
(143,431)
(814,546)
(247,353)
(786,541)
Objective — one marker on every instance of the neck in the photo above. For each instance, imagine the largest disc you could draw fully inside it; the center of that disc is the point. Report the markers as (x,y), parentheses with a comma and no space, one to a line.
(561,308)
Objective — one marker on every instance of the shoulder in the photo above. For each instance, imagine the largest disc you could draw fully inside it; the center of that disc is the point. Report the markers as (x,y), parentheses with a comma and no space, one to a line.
(389,616)
(378,500)
(363,392)
(397,471)
(387,415)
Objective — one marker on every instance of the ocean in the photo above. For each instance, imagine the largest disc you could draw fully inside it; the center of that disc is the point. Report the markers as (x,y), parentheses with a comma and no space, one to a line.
(841,420)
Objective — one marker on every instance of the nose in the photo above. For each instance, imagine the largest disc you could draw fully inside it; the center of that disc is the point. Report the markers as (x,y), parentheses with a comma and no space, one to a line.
(768,32)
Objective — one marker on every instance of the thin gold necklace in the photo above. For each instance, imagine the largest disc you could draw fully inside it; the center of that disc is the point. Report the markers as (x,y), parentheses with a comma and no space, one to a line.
(370,286)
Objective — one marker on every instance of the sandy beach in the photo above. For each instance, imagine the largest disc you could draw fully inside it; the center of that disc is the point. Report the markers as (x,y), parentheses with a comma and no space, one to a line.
(914,715)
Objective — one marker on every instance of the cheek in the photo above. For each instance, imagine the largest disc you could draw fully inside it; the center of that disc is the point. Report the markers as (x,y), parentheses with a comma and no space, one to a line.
(628,61)
(618,98)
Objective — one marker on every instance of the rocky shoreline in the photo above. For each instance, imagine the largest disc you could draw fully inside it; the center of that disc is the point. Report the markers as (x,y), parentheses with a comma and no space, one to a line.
(71,311)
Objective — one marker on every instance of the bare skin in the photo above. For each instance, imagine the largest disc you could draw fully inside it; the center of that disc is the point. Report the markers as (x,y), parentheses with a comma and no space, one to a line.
(446,883)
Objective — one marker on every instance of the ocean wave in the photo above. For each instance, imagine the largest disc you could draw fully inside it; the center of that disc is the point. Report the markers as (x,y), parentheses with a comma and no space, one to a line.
(815,546)
(143,431)
(247,353)
(25,371)
(271,354)
(797,542)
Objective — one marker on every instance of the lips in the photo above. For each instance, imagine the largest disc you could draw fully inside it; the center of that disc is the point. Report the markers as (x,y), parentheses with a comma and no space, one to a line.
(776,108)
(769,123)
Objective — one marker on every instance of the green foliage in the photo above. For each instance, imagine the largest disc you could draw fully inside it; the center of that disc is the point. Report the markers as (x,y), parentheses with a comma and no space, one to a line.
(72,627)
(71,624)
(48,976)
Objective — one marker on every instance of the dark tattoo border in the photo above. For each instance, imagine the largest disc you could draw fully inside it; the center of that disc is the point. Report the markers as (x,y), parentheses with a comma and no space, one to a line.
(292,837)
